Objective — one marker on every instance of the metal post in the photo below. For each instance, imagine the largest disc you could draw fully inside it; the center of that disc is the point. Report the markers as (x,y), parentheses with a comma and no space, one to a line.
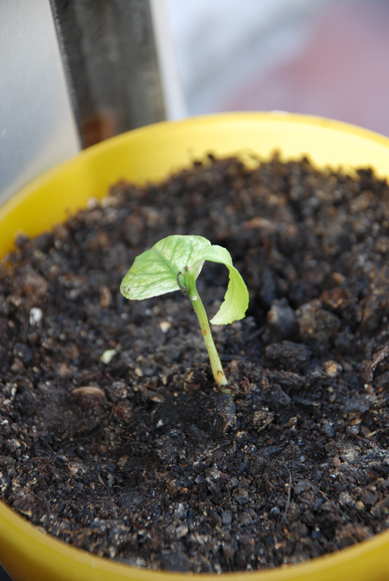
(112,64)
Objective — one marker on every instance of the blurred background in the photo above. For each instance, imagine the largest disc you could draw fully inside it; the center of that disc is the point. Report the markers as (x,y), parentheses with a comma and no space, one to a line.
(76,72)
(319,57)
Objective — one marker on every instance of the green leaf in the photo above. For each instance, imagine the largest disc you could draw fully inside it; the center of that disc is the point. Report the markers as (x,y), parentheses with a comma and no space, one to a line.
(236,299)
(155,271)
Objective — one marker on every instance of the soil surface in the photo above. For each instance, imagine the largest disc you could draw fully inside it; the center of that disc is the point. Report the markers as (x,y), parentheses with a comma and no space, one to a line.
(113,436)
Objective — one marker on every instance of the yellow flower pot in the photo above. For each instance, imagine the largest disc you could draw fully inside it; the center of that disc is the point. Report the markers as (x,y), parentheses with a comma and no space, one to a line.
(150,154)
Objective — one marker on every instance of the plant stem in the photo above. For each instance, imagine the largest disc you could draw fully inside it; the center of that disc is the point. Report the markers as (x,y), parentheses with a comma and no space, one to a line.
(198,307)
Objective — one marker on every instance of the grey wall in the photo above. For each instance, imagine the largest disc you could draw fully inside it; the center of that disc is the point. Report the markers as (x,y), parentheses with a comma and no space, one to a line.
(37,126)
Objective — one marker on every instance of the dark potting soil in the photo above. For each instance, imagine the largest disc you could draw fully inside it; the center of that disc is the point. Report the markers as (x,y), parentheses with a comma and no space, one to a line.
(113,436)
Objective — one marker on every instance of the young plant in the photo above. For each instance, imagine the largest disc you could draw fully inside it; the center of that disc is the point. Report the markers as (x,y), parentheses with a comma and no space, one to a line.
(174,263)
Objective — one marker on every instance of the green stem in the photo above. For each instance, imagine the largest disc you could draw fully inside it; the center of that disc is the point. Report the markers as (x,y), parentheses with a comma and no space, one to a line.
(198,307)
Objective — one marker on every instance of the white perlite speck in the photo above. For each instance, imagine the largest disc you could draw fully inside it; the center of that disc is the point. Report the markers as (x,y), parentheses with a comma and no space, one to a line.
(36,316)
(107,356)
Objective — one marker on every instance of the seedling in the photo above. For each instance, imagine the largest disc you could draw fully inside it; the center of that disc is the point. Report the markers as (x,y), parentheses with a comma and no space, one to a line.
(174,263)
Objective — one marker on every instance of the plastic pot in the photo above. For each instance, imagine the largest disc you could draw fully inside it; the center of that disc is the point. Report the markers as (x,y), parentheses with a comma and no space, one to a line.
(150,154)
